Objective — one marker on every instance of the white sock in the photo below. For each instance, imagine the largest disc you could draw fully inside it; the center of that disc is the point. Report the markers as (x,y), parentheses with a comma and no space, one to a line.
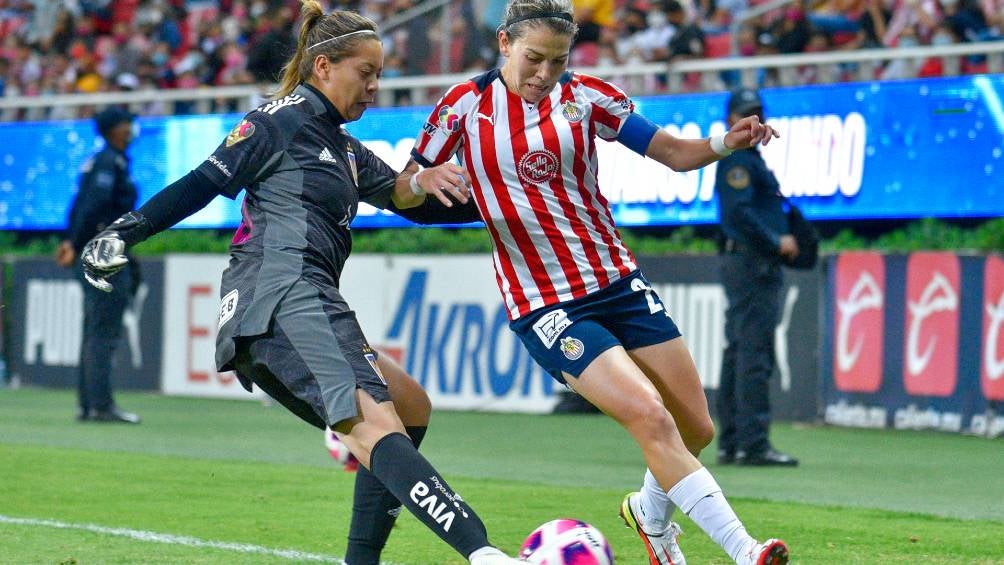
(700,498)
(656,507)
(484,552)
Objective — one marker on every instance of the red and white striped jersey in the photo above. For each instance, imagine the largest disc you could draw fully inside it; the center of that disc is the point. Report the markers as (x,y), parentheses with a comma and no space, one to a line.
(534,172)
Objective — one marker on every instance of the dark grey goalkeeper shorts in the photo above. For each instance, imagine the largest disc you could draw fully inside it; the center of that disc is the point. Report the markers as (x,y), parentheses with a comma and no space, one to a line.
(313,358)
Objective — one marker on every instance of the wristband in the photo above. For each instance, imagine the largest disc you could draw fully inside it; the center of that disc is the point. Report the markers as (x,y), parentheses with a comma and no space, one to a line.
(719,147)
(413,185)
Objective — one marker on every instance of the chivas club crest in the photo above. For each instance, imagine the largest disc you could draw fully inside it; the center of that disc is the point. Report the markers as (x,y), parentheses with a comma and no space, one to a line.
(572,111)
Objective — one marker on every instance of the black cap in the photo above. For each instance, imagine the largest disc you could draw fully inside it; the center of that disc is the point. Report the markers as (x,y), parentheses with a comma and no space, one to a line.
(744,101)
(109,118)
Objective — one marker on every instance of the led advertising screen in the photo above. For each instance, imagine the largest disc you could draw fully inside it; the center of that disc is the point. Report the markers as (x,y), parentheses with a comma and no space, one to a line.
(901,149)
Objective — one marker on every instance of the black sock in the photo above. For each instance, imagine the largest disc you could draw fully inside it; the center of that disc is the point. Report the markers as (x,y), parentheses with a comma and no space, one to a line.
(413,480)
(374,510)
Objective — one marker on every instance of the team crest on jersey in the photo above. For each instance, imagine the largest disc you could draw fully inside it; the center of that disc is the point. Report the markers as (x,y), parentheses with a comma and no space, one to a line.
(241,131)
(572,348)
(572,112)
(352,163)
(538,167)
(449,120)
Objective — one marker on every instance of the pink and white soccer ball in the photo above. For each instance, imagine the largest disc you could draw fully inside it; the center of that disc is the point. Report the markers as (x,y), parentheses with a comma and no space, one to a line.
(338,450)
(566,542)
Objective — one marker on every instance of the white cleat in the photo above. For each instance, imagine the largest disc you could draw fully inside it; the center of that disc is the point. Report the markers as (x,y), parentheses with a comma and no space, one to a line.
(663,548)
(770,552)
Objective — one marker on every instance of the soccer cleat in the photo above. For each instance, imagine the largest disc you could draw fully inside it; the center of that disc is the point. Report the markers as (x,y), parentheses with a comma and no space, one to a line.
(770,552)
(663,548)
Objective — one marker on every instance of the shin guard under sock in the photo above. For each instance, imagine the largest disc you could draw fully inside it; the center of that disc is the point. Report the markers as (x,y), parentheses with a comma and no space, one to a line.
(374,511)
(412,479)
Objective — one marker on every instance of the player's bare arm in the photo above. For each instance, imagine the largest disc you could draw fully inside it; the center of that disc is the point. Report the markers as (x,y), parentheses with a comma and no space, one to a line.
(689,154)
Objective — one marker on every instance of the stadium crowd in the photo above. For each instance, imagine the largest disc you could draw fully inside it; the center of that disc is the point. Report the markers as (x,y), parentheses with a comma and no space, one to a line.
(70,46)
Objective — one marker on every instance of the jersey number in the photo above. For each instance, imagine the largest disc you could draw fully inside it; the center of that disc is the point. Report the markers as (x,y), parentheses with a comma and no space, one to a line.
(653,306)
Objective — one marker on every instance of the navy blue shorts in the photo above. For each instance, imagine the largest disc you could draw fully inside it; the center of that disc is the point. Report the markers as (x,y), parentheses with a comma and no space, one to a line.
(567,337)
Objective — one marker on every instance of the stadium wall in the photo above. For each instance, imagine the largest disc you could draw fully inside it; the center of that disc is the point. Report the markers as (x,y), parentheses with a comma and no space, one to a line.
(441,317)
(869,340)
(46,317)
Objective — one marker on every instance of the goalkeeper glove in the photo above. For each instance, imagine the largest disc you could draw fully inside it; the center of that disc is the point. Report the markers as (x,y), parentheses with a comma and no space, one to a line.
(104,255)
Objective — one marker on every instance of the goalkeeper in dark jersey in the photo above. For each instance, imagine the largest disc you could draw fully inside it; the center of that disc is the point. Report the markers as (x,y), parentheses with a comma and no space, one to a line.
(283,324)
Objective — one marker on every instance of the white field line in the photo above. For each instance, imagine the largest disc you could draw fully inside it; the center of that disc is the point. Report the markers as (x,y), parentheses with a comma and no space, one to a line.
(142,535)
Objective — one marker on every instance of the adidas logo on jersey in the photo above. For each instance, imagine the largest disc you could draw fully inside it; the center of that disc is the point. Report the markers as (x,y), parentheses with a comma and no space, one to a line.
(326,156)
(276,105)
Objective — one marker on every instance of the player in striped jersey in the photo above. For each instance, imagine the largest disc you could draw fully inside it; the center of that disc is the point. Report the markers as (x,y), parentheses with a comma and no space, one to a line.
(526,134)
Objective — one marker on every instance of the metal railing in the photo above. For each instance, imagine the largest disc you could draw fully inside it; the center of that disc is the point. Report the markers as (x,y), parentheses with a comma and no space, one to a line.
(638,79)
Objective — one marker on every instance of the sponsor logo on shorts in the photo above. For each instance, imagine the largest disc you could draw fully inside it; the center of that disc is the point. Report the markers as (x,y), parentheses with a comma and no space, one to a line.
(572,348)
(228,307)
(550,326)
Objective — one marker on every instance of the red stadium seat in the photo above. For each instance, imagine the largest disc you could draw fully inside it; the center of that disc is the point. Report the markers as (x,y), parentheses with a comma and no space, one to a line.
(718,45)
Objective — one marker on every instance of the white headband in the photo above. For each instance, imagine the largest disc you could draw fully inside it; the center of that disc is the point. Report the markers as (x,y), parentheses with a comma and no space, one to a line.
(341,36)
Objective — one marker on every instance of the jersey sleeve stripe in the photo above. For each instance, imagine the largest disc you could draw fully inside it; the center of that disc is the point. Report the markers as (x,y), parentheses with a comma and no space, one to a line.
(559,246)
(579,170)
(490,162)
(605,118)
(526,245)
(553,143)
(601,86)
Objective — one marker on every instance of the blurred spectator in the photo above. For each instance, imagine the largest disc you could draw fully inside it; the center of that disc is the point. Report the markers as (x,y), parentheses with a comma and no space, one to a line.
(792,31)
(649,32)
(55,47)
(966,20)
(837,16)
(593,16)
(993,13)
(688,41)
(917,18)
(4,70)
(872,24)
(273,46)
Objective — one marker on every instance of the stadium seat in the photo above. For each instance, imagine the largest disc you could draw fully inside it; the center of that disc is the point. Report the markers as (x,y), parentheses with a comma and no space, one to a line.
(718,45)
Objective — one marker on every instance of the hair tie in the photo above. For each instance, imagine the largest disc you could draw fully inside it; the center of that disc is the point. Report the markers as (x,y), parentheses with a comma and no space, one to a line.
(341,36)
(560,15)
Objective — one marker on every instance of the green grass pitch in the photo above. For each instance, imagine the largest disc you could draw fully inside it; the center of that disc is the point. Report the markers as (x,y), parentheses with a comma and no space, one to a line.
(234,482)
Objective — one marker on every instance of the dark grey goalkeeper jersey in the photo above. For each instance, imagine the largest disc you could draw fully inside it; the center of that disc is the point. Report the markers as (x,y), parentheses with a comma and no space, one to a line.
(304,176)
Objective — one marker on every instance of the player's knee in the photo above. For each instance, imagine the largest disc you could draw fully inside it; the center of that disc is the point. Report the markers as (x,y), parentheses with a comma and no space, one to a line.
(650,421)
(700,436)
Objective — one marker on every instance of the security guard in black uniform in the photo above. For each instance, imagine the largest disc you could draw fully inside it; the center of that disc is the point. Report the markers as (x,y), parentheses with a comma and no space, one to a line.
(756,239)
(106,192)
